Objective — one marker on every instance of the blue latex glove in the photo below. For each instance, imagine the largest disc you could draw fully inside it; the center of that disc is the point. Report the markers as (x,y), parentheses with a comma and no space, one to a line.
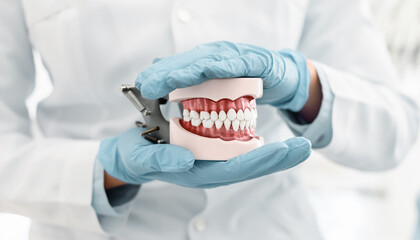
(132,159)
(285,73)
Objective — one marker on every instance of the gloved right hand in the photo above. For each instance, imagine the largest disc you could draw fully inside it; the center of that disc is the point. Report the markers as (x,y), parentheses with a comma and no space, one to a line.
(285,73)
(132,159)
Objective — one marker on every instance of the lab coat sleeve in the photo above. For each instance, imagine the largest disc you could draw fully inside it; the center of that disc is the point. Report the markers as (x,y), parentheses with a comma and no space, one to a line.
(319,132)
(48,180)
(374,124)
(112,217)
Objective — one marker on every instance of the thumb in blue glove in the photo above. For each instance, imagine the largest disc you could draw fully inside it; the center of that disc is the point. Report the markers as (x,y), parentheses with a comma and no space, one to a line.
(129,157)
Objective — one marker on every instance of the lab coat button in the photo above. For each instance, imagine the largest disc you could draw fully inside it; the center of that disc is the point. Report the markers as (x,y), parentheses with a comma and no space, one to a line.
(200,224)
(184,16)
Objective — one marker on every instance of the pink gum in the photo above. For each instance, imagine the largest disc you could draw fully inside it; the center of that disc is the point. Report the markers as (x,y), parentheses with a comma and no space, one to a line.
(216,89)
(204,104)
(204,148)
(222,133)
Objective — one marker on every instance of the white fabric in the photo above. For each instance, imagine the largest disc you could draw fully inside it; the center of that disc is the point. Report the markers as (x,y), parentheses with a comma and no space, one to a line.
(374,125)
(91,47)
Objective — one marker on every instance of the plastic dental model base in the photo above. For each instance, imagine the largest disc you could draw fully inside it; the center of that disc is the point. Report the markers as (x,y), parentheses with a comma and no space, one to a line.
(219,117)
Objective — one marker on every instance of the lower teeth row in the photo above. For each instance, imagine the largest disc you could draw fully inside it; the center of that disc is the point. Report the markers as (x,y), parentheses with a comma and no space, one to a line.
(237,120)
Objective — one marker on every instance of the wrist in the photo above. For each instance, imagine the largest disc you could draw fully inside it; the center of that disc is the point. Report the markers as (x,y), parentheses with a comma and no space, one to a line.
(111,182)
(312,106)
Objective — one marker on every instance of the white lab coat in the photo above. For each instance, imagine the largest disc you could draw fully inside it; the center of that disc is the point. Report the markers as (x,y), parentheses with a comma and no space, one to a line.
(91,47)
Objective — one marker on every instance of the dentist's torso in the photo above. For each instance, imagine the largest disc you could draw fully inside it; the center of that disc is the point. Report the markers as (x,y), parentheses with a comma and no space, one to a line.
(91,47)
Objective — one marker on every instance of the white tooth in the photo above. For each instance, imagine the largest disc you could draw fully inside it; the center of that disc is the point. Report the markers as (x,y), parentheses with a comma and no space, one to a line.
(247,114)
(235,125)
(231,114)
(205,123)
(185,112)
(254,124)
(204,115)
(208,123)
(187,118)
(227,123)
(222,115)
(242,124)
(218,123)
(195,122)
(194,114)
(255,113)
(248,123)
(211,123)
(240,115)
(214,116)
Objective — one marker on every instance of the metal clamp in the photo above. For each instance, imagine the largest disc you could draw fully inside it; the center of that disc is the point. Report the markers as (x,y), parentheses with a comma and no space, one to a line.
(150,109)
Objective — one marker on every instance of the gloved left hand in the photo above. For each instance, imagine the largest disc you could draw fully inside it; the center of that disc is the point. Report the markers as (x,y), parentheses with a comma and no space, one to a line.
(132,159)
(285,73)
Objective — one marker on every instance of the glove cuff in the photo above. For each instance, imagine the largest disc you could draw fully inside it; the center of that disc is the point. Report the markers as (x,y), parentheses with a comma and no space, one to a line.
(292,91)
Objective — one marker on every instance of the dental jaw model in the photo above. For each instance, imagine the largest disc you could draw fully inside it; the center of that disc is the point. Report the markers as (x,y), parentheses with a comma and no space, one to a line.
(219,118)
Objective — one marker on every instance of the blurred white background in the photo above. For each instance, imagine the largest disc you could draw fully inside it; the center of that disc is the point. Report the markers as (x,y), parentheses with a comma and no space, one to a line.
(349,204)
(359,205)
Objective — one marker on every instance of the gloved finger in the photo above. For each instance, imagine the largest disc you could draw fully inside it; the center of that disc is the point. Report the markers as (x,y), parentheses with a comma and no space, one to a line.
(282,157)
(142,156)
(299,150)
(156,84)
(250,65)
(173,62)
(156,60)
(189,76)
(176,61)
(160,158)
(236,169)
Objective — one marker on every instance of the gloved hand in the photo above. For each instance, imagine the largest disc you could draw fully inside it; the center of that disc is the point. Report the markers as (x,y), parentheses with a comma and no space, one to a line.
(285,73)
(132,159)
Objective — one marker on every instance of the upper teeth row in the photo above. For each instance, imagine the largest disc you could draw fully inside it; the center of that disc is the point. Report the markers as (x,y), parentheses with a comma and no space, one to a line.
(243,119)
